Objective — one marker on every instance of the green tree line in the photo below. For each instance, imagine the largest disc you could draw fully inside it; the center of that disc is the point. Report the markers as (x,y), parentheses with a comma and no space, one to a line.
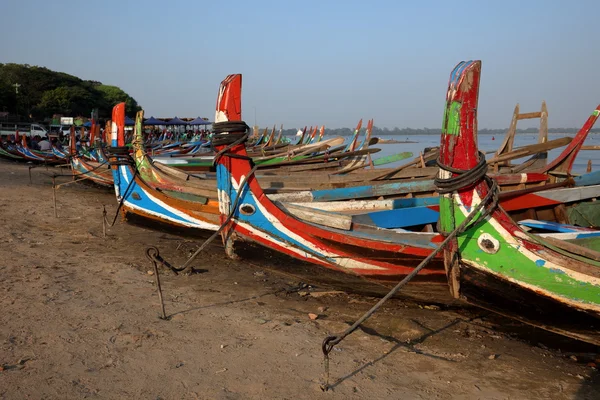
(40,93)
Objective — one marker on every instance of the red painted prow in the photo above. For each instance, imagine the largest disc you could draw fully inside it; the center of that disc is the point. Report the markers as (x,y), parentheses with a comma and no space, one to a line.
(313,134)
(72,145)
(118,124)
(458,148)
(93,132)
(355,138)
(564,162)
(369,130)
(229,100)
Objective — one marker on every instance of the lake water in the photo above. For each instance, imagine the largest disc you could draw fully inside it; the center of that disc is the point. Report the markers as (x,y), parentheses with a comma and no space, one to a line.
(491,143)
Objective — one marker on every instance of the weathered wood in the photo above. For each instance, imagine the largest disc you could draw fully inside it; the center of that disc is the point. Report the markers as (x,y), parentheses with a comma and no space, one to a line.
(431,155)
(531,149)
(555,227)
(530,115)
(574,248)
(315,216)
(509,138)
(507,144)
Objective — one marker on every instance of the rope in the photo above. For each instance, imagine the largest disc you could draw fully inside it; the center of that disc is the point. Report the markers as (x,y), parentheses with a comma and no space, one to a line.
(226,133)
(83,173)
(120,156)
(463,180)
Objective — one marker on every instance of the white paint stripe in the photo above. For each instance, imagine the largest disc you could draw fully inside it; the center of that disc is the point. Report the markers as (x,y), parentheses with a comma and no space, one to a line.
(523,178)
(296,197)
(342,261)
(564,235)
(188,220)
(510,240)
(353,205)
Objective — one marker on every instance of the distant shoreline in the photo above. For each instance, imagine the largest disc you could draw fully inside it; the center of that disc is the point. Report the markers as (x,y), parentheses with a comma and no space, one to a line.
(335,132)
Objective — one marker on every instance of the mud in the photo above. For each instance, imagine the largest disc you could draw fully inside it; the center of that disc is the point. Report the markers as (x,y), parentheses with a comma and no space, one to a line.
(80,319)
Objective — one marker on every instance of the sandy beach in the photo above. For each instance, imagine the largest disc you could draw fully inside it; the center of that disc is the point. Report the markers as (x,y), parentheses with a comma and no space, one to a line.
(80,319)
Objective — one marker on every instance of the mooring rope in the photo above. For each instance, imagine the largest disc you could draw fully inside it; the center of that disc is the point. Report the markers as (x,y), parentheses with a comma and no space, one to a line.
(231,134)
(463,179)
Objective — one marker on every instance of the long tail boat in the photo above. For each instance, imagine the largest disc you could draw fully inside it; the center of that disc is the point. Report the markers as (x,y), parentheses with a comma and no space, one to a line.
(322,237)
(136,197)
(97,172)
(248,212)
(493,263)
(167,196)
(399,186)
(7,151)
(33,155)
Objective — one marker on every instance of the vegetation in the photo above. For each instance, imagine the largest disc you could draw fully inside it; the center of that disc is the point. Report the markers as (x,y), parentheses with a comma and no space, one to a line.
(43,93)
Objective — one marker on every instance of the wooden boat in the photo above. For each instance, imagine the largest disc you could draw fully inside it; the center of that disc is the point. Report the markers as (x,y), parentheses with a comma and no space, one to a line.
(338,185)
(341,245)
(549,283)
(402,183)
(324,152)
(164,177)
(97,172)
(506,147)
(7,152)
(177,193)
(338,241)
(28,154)
(136,197)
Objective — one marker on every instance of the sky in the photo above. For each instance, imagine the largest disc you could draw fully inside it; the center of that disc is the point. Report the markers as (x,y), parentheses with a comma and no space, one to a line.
(320,62)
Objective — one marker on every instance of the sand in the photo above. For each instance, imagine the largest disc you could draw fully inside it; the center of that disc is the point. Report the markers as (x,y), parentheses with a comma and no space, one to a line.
(80,319)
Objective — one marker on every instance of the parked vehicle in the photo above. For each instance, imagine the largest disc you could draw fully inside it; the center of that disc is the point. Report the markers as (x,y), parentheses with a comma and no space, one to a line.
(26,129)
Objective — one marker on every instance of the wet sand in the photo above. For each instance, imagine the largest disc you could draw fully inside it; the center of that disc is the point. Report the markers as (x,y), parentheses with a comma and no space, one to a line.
(80,319)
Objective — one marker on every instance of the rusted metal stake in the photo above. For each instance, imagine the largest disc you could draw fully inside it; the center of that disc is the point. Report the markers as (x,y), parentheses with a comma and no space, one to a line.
(103,221)
(54,196)
(159,289)
(153,255)
(589,166)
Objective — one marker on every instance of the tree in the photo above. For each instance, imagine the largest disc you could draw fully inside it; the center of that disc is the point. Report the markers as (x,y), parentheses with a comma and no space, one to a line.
(44,92)
(113,95)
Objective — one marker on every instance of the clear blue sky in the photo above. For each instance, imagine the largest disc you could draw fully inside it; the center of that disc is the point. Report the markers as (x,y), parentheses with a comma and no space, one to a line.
(320,62)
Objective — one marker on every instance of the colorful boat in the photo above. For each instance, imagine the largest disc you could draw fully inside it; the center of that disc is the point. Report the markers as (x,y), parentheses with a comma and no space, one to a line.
(329,240)
(97,172)
(493,263)
(334,240)
(137,197)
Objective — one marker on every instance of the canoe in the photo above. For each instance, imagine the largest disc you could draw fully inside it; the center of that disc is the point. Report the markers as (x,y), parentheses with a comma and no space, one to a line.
(358,250)
(94,171)
(136,197)
(549,283)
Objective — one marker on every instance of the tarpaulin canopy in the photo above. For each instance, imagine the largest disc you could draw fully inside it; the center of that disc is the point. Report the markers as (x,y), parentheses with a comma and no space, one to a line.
(176,121)
(199,121)
(154,121)
(129,121)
